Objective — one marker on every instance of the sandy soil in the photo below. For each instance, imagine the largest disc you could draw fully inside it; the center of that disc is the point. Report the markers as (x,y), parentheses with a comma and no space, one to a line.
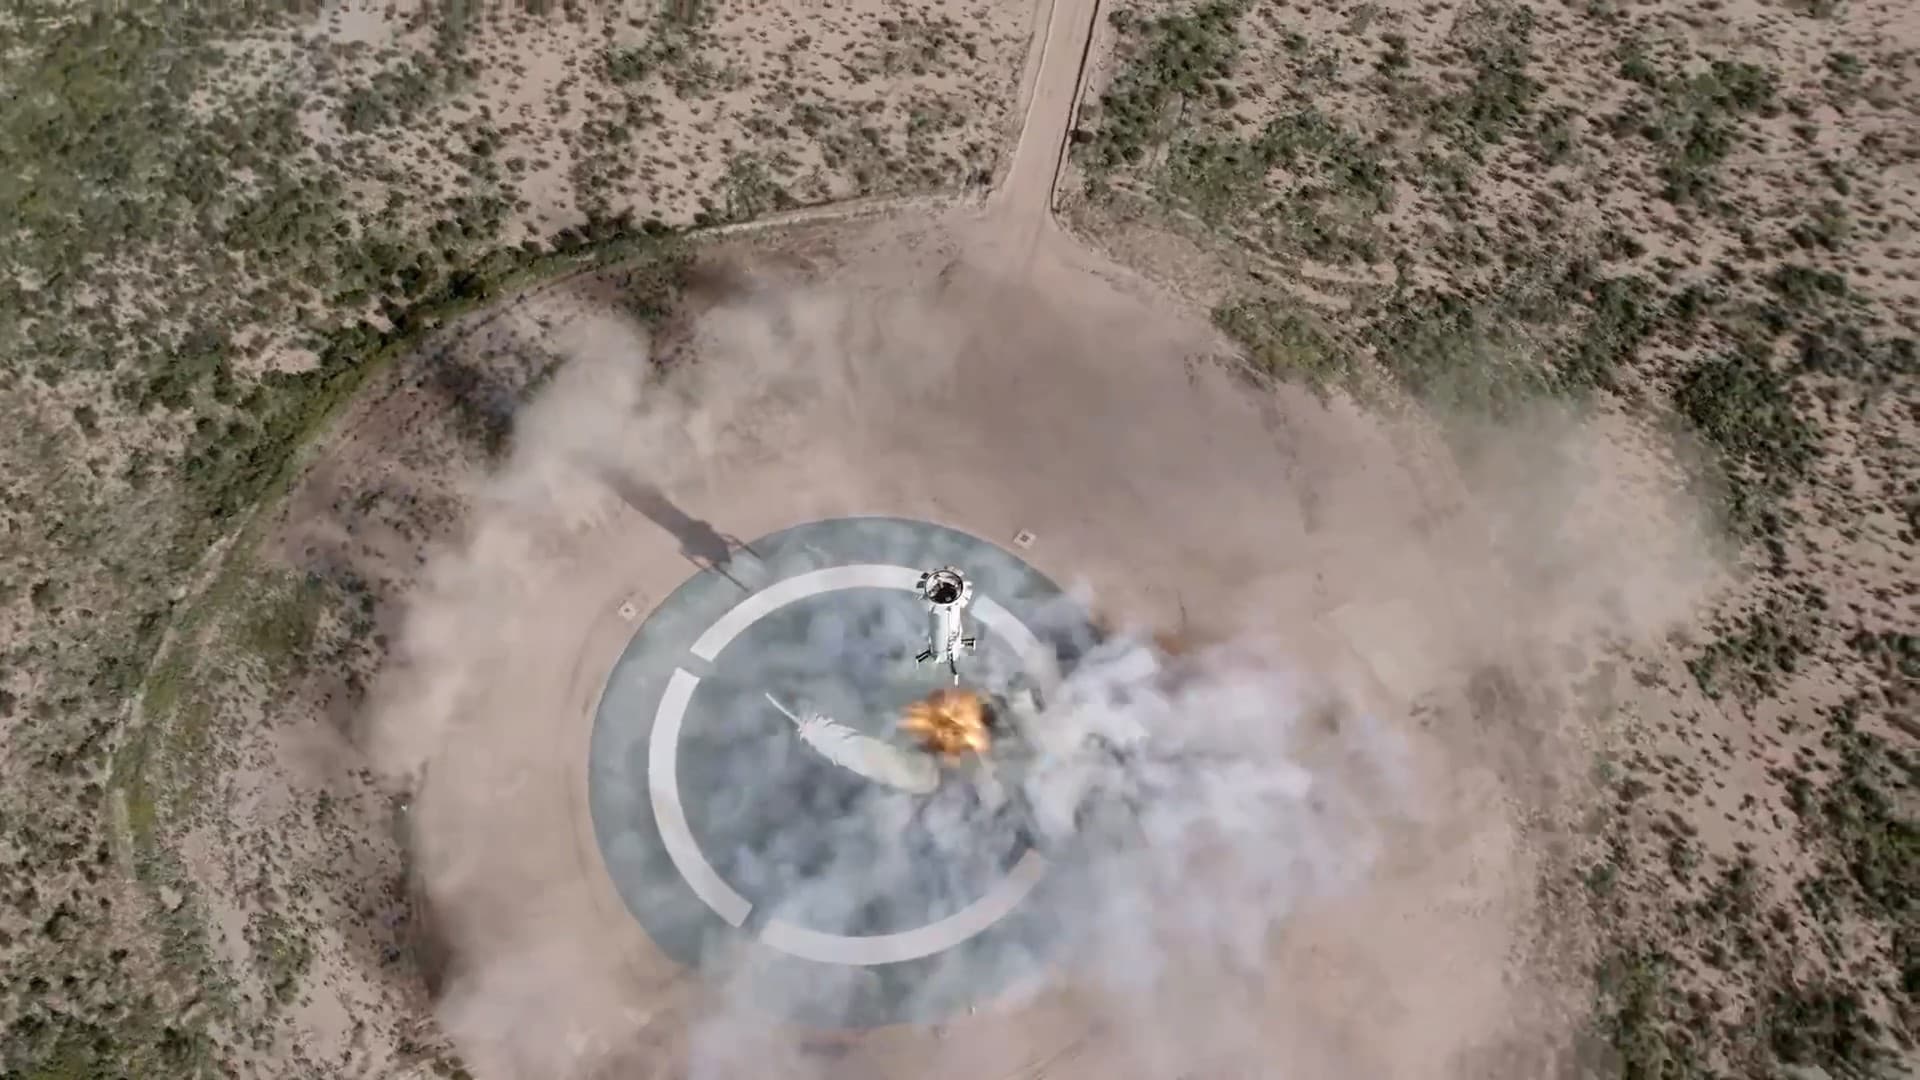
(1362,556)
(1471,152)
(1159,484)
(336,827)
(1438,600)
(679,110)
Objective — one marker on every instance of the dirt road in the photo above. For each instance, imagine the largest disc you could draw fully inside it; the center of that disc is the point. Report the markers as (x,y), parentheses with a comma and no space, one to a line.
(981,370)
(1023,203)
(1018,212)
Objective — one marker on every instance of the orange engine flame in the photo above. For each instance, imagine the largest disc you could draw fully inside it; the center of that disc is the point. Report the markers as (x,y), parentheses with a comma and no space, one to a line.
(949,722)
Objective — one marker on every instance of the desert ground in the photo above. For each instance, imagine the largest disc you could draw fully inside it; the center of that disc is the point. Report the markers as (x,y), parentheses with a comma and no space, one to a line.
(1506,412)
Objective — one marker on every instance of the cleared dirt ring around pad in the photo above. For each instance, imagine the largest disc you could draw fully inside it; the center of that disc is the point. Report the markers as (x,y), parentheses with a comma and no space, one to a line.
(527,879)
(509,866)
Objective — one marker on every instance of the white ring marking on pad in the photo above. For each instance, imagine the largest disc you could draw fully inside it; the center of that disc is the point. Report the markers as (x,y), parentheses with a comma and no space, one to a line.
(663,784)
(707,884)
(799,587)
(924,941)
(1036,656)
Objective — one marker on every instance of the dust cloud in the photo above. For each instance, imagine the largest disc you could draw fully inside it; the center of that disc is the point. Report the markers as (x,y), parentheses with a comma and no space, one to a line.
(1350,638)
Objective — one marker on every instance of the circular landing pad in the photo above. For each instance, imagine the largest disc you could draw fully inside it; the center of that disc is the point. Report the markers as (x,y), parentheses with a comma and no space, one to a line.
(828,898)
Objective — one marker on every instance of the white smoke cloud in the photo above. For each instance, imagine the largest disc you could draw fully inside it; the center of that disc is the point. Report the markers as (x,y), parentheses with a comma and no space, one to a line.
(1193,803)
(1268,865)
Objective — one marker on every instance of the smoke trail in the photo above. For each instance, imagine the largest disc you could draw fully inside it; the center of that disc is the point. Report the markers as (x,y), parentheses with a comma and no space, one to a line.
(1265,863)
(1193,806)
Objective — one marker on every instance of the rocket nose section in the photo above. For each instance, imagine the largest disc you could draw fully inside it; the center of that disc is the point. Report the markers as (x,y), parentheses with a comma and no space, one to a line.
(944,588)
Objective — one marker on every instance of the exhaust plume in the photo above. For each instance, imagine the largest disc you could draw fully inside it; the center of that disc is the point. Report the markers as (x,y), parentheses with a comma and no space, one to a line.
(1293,847)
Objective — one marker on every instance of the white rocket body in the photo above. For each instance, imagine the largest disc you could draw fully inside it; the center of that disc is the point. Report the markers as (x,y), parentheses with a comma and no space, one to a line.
(913,771)
(947,594)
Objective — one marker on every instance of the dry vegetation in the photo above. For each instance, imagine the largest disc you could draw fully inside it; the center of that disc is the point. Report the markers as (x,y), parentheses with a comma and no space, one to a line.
(687,111)
(219,224)
(1702,213)
(219,219)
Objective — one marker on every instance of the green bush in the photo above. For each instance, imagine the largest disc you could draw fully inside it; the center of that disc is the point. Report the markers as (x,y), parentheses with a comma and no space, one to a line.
(1497,41)
(1747,409)
(232,464)
(1168,59)
(1691,120)
(1457,354)
(1282,341)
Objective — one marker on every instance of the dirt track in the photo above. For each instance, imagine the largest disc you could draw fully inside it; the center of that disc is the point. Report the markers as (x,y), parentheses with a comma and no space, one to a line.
(1024,200)
(985,371)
